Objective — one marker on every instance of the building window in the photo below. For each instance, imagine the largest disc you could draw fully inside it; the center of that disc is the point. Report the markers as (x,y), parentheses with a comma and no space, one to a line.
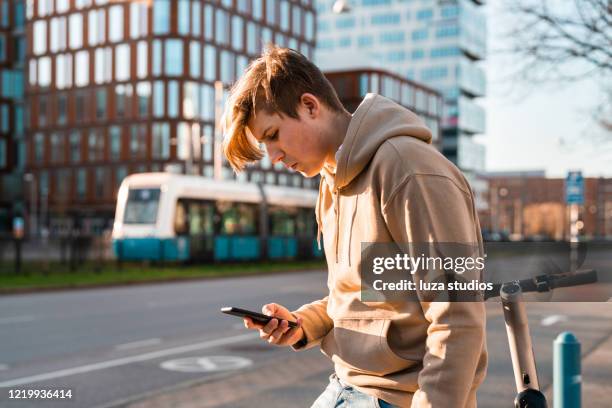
(207,105)
(81,187)
(114,134)
(143,92)
(309,25)
(120,100)
(424,15)
(183,144)
(195,18)
(285,17)
(40,37)
(138,141)
(122,62)
(95,146)
(160,146)
(271,12)
(237,32)
(42,111)
(57,148)
(421,34)
(100,182)
(100,103)
(158,99)
(82,103)
(76,30)
(82,73)
(58,34)
(96,26)
(183,16)
(161,16)
(296,20)
(142,60)
(207,143)
(257,9)
(115,22)
(4,118)
(44,72)
(227,67)
(62,107)
(194,59)
(138,19)
(3,160)
(173,99)
(208,21)
(252,46)
(75,146)
(63,71)
(39,148)
(174,57)
(190,100)
(103,65)
(157,57)
(222,26)
(210,63)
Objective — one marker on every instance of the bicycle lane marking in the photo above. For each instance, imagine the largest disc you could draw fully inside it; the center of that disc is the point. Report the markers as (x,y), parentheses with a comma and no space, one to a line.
(126,360)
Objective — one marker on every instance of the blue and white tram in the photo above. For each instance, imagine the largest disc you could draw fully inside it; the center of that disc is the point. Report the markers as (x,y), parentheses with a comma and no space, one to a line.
(173,217)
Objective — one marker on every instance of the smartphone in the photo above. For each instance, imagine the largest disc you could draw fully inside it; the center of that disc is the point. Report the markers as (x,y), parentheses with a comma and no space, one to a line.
(254,316)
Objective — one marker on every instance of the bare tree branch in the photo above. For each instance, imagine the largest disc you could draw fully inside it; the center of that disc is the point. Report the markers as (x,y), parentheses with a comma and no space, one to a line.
(551,41)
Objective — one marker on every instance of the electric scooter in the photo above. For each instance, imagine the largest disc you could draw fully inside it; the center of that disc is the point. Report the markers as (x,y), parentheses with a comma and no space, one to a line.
(517,328)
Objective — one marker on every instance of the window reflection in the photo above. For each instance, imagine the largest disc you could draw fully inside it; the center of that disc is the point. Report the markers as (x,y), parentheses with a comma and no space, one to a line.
(174,57)
(160,146)
(76,30)
(161,16)
(115,22)
(122,62)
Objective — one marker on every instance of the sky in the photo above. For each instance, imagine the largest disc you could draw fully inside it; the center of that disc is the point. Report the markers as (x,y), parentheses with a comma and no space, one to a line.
(542,126)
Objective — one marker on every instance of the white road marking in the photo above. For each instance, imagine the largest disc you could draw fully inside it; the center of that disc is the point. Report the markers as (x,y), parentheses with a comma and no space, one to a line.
(206,364)
(137,344)
(16,319)
(553,319)
(126,360)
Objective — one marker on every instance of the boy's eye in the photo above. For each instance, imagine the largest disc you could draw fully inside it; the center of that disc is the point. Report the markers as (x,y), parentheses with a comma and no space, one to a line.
(273,136)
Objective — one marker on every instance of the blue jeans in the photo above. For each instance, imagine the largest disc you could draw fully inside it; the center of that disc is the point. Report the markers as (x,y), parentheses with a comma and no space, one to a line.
(341,395)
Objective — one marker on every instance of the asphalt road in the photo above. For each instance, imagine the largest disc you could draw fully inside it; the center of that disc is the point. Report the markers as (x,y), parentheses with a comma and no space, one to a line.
(115,347)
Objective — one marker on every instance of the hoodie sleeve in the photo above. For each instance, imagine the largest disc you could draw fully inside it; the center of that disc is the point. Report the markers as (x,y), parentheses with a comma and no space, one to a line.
(315,323)
(435,208)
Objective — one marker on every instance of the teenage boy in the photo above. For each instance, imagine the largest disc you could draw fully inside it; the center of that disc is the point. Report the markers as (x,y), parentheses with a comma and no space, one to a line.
(383,182)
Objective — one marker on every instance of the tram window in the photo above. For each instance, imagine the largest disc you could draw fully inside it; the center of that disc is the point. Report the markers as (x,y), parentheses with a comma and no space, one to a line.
(180,218)
(201,218)
(194,217)
(237,219)
(282,221)
(305,222)
(141,207)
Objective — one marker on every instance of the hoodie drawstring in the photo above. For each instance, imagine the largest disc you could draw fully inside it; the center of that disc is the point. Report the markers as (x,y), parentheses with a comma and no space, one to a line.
(318,213)
(337,211)
(351,228)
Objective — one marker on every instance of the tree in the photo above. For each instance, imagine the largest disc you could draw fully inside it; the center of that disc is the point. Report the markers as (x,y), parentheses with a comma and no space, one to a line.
(565,41)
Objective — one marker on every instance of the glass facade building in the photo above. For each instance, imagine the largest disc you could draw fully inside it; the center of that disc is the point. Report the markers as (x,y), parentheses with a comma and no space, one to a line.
(353,85)
(12,150)
(119,87)
(439,43)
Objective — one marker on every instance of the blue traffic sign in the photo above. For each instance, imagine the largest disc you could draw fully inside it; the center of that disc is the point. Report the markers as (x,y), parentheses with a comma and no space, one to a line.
(574,188)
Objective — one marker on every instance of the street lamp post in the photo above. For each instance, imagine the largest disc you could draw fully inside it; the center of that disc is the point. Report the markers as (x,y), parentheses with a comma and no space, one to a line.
(29,178)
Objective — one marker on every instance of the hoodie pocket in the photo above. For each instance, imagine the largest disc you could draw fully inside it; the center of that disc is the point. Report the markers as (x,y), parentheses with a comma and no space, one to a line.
(362,345)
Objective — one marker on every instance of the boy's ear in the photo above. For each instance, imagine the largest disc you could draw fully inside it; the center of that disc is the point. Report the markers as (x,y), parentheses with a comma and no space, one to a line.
(311,104)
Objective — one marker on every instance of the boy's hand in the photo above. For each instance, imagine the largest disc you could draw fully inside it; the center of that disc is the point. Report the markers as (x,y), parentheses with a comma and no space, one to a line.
(277,331)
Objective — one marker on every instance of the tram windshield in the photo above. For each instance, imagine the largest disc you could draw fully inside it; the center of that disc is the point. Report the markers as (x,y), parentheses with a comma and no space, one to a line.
(142,204)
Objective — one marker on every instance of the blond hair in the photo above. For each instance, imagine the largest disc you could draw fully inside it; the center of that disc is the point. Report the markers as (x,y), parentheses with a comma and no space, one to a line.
(275,83)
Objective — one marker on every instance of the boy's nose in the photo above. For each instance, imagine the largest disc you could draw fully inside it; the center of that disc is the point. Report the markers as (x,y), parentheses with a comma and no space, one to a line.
(276,155)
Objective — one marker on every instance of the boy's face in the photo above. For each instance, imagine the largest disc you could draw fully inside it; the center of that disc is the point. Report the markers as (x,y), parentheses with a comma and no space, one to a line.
(297,143)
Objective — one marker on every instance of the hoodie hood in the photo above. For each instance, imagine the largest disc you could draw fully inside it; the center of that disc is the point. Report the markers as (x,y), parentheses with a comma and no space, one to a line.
(375,120)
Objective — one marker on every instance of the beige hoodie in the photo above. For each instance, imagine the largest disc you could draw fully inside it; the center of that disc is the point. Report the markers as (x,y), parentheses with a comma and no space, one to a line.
(391,185)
